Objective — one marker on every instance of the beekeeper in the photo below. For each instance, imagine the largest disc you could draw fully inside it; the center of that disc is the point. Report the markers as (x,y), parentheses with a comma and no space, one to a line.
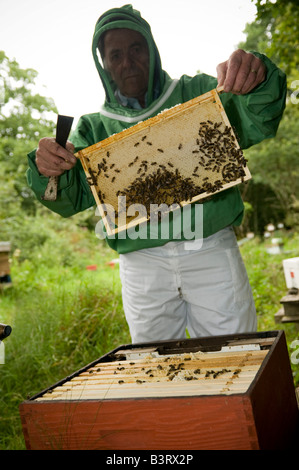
(168,285)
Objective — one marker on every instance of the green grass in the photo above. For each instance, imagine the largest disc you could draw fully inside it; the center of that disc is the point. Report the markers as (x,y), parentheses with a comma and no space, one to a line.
(268,284)
(64,316)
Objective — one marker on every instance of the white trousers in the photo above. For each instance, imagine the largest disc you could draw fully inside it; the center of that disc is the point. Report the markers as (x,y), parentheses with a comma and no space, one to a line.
(200,285)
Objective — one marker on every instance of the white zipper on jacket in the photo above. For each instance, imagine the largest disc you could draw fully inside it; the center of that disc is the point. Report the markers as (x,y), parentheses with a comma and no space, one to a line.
(141,117)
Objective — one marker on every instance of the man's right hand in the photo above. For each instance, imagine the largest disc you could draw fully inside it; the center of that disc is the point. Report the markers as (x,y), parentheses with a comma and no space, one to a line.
(52,159)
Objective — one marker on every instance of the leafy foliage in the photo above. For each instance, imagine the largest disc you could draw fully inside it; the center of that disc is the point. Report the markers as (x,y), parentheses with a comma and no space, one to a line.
(274,190)
(282,20)
(25,117)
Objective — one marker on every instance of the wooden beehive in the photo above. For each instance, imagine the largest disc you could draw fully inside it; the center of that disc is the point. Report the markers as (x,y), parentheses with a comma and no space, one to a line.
(226,392)
(4,259)
(183,155)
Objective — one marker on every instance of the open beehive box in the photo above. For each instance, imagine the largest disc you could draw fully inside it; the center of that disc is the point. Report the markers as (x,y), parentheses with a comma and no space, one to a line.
(226,392)
(183,155)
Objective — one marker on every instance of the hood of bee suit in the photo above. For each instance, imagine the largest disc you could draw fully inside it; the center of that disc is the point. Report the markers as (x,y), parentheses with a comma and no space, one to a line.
(127,17)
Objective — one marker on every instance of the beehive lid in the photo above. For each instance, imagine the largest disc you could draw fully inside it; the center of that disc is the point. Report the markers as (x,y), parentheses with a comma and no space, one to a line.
(183,155)
(5,247)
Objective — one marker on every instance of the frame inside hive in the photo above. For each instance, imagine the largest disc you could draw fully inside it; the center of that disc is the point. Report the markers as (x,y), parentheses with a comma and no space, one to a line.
(183,155)
(187,374)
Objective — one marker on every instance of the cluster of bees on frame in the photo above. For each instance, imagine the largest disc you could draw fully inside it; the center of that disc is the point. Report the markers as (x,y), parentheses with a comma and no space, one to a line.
(169,372)
(214,150)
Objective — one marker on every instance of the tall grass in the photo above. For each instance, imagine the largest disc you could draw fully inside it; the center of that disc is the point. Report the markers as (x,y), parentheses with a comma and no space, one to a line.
(65,316)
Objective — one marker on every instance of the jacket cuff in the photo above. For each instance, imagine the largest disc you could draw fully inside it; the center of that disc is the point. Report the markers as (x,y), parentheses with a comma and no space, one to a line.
(38,182)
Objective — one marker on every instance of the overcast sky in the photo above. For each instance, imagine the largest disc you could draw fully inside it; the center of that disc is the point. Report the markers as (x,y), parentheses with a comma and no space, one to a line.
(54,38)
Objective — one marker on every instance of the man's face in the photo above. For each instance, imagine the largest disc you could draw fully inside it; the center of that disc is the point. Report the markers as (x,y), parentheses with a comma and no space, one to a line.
(126,58)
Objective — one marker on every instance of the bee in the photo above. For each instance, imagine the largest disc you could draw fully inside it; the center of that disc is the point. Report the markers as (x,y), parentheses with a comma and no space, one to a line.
(170,164)
(136,145)
(108,154)
(180,146)
(131,164)
(112,166)
(149,143)
(120,381)
(161,150)
(113,179)
(139,381)
(135,159)
(143,138)
(117,171)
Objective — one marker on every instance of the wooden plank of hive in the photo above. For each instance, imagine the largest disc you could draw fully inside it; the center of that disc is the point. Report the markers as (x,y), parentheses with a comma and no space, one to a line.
(169,152)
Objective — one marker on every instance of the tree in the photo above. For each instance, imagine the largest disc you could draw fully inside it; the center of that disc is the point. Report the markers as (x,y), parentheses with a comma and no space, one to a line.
(25,117)
(282,18)
(274,163)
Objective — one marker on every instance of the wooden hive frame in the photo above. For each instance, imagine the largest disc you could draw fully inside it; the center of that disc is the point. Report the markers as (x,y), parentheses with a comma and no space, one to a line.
(174,375)
(183,155)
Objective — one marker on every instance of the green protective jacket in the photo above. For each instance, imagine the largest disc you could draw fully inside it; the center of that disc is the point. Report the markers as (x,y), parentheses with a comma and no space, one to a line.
(255,117)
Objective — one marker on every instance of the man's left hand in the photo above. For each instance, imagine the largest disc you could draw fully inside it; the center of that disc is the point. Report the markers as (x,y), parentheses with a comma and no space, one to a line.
(241,73)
